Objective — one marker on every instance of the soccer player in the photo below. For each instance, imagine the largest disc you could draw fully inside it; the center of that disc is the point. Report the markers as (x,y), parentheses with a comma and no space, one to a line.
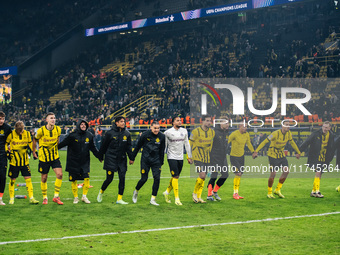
(175,138)
(5,130)
(320,143)
(153,143)
(277,157)
(19,141)
(48,139)
(238,139)
(115,145)
(218,157)
(201,140)
(79,144)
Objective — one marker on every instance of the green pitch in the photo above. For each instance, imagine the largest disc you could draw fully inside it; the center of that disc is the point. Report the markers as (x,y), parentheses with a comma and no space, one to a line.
(303,235)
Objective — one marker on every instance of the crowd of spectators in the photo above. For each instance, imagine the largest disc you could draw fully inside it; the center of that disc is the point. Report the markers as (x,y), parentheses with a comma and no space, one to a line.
(212,50)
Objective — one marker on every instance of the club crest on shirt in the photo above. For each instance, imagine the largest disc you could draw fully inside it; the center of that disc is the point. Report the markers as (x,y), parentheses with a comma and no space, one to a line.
(157,141)
(87,140)
(124,138)
(2,132)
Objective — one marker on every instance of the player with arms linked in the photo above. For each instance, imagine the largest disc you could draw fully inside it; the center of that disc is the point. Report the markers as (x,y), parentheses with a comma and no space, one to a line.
(79,144)
(48,138)
(5,130)
(116,144)
(277,157)
(175,138)
(153,143)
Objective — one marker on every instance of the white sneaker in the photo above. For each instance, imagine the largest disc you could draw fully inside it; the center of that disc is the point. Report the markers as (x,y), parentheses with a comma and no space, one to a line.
(134,197)
(85,200)
(121,202)
(100,197)
(2,202)
(153,202)
(76,200)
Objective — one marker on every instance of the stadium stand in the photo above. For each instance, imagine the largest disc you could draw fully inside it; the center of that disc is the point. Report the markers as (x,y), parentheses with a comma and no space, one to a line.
(159,63)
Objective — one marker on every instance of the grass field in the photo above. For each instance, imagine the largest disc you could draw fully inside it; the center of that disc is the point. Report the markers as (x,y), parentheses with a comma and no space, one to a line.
(244,232)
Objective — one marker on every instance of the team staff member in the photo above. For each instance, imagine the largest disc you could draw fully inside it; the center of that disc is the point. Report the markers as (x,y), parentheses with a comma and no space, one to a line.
(5,130)
(320,143)
(153,143)
(175,138)
(48,139)
(238,140)
(201,140)
(19,141)
(277,157)
(116,144)
(79,144)
(218,157)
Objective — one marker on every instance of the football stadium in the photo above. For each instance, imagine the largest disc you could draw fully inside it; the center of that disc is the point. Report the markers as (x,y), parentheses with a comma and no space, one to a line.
(170,127)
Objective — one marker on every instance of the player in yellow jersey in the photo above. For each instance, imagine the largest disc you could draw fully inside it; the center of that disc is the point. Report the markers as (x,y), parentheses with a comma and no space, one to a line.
(277,158)
(238,140)
(48,139)
(320,154)
(18,143)
(201,140)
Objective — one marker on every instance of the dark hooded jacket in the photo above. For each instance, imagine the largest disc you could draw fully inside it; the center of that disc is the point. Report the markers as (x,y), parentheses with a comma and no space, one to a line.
(314,142)
(115,145)
(79,143)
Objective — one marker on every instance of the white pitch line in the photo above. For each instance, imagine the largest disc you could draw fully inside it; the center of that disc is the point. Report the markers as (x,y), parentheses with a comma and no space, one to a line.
(171,228)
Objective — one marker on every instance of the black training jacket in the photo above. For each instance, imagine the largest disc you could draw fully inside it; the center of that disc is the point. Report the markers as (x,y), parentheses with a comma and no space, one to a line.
(218,152)
(5,130)
(314,142)
(79,143)
(115,145)
(153,147)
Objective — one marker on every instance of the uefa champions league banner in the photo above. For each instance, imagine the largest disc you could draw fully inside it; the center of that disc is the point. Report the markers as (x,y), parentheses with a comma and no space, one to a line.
(175,17)
(12,70)
(187,15)
(261,106)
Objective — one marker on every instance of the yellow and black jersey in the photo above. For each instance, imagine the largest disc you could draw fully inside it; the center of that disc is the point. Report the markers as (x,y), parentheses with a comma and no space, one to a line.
(48,143)
(201,143)
(19,145)
(238,141)
(278,142)
(324,143)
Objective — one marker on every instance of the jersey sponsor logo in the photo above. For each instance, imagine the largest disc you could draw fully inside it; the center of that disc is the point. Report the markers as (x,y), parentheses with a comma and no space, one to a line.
(49,140)
(176,140)
(19,143)
(204,141)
